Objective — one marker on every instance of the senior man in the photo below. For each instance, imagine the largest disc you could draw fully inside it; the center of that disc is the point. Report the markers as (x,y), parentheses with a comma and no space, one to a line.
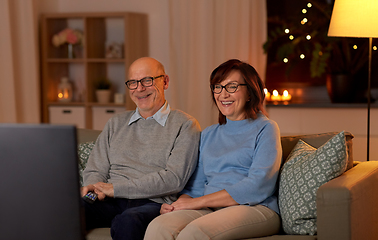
(142,158)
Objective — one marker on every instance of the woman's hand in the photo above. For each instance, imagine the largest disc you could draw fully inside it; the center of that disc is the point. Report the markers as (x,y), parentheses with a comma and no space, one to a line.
(188,203)
(217,199)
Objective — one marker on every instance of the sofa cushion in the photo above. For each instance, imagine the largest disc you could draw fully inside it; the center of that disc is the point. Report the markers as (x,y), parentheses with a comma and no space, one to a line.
(305,171)
(315,140)
(84,150)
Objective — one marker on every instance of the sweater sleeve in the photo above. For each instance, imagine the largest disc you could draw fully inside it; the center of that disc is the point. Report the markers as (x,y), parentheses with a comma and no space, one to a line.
(172,179)
(261,181)
(97,168)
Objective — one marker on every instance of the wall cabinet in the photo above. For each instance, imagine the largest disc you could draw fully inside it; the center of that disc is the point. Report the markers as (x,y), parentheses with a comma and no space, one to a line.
(125,34)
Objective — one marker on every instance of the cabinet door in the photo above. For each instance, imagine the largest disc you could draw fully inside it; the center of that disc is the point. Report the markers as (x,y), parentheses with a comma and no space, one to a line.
(67,115)
(101,115)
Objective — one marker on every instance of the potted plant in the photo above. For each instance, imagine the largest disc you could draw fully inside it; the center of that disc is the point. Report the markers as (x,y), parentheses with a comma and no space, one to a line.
(103,91)
(333,58)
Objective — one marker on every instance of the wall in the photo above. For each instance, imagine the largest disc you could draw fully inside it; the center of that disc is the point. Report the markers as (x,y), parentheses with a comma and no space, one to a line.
(297,121)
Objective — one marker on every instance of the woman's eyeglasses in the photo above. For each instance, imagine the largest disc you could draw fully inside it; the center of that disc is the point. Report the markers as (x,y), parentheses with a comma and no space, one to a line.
(230,87)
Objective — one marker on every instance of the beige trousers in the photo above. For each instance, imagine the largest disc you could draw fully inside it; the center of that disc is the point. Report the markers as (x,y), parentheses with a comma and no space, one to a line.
(236,222)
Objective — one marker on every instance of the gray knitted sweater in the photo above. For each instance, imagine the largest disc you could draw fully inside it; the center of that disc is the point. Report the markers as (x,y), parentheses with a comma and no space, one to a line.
(145,159)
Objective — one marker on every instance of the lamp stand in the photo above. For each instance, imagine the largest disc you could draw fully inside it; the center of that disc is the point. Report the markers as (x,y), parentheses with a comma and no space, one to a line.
(368,98)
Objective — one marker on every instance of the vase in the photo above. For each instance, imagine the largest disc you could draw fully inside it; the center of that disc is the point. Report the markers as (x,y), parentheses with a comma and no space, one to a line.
(71,53)
(103,95)
(340,88)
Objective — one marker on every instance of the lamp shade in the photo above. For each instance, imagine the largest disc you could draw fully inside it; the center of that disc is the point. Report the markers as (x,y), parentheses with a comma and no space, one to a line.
(354,18)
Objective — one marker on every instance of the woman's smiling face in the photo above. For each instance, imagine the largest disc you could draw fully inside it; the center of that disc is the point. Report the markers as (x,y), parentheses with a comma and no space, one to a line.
(232,104)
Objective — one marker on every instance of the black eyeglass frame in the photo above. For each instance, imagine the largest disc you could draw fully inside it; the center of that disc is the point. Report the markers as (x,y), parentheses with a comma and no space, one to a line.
(141,82)
(226,86)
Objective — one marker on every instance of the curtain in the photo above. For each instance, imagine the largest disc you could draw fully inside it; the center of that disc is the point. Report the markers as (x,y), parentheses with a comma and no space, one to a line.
(204,34)
(19,75)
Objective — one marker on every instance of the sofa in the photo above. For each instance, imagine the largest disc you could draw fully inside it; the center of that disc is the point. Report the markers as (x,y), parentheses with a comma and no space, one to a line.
(346,206)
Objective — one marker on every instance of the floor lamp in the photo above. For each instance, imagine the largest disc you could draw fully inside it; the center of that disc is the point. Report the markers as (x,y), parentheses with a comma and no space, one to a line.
(352,18)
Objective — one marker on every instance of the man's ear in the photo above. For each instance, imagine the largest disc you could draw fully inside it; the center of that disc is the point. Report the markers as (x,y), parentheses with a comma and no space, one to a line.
(166,82)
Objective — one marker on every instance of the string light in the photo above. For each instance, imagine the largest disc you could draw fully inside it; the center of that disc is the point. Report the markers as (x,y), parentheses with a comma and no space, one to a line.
(354,47)
(309,5)
(291,37)
(285,60)
(375,48)
(287,30)
(304,11)
(308,37)
(304,21)
(302,56)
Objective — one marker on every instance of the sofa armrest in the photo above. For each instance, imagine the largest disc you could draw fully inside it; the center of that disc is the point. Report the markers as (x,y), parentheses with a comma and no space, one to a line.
(347,206)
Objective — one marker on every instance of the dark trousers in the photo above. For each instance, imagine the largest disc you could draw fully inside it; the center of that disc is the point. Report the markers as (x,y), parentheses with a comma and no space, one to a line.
(127,218)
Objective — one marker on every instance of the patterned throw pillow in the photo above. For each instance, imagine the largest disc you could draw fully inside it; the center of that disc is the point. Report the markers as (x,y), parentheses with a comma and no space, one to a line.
(84,150)
(306,170)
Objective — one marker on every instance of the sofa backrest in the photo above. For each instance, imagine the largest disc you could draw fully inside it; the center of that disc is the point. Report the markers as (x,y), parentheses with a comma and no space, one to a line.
(287,142)
(87,135)
(315,140)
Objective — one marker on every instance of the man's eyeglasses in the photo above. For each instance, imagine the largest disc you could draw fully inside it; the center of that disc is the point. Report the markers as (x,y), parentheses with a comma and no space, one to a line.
(230,87)
(146,82)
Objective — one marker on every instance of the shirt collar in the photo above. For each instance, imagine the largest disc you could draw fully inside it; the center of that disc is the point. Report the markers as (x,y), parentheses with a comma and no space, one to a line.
(160,116)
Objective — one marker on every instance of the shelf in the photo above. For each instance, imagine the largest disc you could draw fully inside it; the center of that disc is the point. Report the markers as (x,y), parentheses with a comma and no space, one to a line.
(125,32)
(66,104)
(106,60)
(65,60)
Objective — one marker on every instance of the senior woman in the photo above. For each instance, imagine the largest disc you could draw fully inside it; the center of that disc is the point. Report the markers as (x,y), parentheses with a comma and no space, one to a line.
(231,193)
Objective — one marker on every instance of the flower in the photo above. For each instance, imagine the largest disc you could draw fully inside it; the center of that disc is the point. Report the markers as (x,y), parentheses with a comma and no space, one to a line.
(67,35)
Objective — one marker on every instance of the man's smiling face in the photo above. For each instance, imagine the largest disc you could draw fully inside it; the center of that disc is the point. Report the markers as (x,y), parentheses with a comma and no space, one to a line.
(148,99)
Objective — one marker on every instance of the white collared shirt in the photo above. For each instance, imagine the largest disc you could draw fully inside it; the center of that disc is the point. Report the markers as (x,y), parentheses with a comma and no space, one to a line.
(160,116)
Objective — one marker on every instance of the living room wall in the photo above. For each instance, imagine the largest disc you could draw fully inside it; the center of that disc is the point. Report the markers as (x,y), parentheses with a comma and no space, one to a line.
(191,38)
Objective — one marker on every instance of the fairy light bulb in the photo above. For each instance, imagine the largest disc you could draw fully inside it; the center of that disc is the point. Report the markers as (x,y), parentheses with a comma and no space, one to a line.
(308,37)
(302,56)
(354,47)
(309,5)
(291,37)
(285,60)
(287,30)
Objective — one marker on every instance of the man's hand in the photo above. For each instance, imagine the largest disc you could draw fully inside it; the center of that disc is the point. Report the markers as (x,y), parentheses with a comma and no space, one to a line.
(101,189)
(166,208)
(104,188)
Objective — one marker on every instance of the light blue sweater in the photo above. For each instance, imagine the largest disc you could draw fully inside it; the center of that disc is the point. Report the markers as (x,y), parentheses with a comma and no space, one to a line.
(242,157)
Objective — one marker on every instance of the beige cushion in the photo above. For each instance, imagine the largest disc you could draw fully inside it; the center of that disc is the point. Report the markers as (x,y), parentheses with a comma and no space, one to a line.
(99,234)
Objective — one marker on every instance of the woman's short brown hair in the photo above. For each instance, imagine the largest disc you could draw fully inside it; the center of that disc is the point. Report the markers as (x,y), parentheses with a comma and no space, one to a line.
(254,83)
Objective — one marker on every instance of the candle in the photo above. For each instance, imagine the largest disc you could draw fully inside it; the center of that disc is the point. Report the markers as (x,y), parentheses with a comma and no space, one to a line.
(64,90)
(276,96)
(267,94)
(286,96)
